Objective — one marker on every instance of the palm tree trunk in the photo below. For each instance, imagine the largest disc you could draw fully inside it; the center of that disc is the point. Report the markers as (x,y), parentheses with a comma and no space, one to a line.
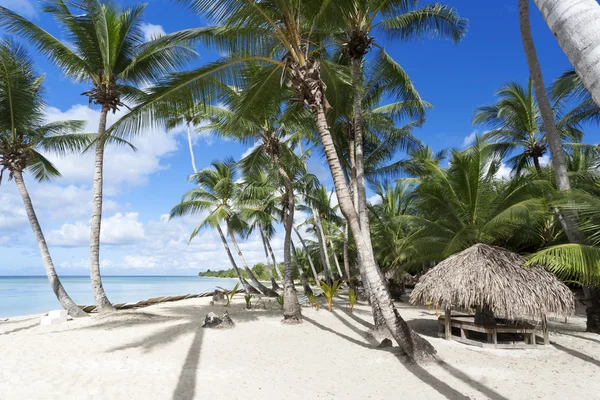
(337,263)
(554,142)
(357,112)
(291,307)
(305,284)
(261,288)
(57,287)
(102,303)
(575,25)
(271,266)
(233,264)
(359,188)
(323,246)
(310,261)
(411,344)
(351,281)
(536,164)
(190,144)
(274,260)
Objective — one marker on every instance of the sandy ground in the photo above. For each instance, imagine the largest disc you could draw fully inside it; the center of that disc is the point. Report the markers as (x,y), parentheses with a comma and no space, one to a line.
(161,352)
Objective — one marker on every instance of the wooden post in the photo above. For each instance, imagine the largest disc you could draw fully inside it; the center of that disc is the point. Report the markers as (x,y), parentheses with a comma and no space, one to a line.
(545,330)
(448,327)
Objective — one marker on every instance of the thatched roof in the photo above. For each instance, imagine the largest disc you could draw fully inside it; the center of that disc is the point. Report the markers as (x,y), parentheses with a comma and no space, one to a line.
(497,279)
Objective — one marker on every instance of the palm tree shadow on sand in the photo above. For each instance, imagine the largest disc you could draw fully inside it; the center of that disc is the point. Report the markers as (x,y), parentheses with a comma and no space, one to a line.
(418,371)
(191,319)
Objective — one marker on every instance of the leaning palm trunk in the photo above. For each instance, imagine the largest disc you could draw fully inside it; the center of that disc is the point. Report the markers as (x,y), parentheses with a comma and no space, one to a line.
(359,191)
(247,288)
(102,303)
(309,85)
(291,306)
(271,267)
(359,181)
(190,145)
(274,260)
(575,23)
(60,292)
(261,288)
(559,166)
(310,261)
(351,280)
(337,263)
(323,246)
(305,284)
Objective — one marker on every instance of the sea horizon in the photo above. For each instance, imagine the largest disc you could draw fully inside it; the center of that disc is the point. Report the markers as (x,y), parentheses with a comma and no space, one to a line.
(31,294)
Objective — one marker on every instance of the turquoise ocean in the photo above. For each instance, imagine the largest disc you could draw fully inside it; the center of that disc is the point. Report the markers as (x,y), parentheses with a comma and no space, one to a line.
(24,295)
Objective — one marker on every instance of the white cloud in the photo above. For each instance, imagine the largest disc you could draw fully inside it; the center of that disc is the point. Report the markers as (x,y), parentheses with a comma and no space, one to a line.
(375,199)
(120,229)
(152,31)
(504,172)
(250,149)
(468,141)
(121,164)
(544,160)
(23,7)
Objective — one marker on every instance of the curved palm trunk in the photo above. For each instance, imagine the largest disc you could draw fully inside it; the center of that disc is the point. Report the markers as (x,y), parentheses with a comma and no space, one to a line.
(274,260)
(337,263)
(310,261)
(359,191)
(411,344)
(575,23)
(351,281)
(323,246)
(190,144)
(261,288)
(271,266)
(536,164)
(102,303)
(291,306)
(556,149)
(305,284)
(359,181)
(247,287)
(57,287)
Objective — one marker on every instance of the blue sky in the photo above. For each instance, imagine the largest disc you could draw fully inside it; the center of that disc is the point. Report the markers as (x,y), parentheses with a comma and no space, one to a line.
(142,187)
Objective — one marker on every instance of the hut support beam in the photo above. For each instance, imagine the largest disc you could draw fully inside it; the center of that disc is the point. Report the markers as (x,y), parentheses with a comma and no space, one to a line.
(448,327)
(545,330)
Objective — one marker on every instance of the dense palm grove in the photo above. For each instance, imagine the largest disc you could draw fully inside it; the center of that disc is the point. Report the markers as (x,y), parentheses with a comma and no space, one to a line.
(309,77)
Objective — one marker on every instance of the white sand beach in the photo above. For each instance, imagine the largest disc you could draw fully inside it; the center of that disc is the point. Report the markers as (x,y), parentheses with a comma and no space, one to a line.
(161,352)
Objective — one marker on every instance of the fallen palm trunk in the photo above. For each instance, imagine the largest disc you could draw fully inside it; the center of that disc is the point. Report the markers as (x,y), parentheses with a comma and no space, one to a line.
(149,302)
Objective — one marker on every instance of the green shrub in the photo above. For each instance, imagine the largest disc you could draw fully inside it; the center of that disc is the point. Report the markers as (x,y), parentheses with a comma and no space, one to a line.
(229,293)
(331,291)
(352,298)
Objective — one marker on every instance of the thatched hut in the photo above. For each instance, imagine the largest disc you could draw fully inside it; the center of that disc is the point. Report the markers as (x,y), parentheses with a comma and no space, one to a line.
(495,280)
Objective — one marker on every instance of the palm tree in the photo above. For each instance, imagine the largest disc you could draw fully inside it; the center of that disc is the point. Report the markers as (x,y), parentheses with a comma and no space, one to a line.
(215,193)
(552,135)
(283,37)
(569,86)
(23,138)
(576,36)
(261,199)
(515,122)
(466,203)
(402,20)
(104,48)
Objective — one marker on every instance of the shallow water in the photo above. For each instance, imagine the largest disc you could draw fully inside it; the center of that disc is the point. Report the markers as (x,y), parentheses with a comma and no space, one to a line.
(23,295)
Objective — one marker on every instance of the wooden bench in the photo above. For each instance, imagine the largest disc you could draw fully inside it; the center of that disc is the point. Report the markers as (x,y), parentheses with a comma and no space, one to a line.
(464,324)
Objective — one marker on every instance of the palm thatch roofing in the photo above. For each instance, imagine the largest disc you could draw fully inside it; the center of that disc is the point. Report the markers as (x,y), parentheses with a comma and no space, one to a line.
(496,279)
